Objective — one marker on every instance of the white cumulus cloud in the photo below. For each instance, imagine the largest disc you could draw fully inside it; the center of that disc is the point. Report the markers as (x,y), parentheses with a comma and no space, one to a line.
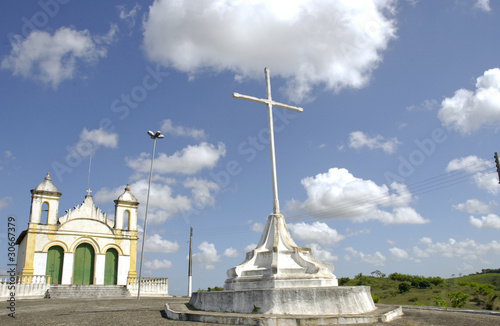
(490,221)
(467,111)
(334,44)
(478,168)
(376,259)
(358,140)
(467,249)
(398,253)
(483,5)
(202,191)
(318,232)
(338,194)
(163,204)
(52,59)
(156,264)
(321,253)
(257,227)
(91,140)
(250,247)
(189,160)
(207,256)
(475,206)
(231,252)
(168,127)
(130,15)
(155,243)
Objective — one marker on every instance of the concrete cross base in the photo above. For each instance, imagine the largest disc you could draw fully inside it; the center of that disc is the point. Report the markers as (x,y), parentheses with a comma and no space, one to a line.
(277,262)
(334,300)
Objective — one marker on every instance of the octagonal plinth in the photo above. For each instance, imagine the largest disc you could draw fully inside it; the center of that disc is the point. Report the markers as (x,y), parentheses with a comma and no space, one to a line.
(335,300)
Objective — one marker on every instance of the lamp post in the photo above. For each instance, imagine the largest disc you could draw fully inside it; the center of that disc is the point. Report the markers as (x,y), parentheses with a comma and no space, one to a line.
(153,136)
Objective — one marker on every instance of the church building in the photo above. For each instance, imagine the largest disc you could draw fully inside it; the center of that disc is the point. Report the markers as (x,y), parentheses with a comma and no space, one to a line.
(81,247)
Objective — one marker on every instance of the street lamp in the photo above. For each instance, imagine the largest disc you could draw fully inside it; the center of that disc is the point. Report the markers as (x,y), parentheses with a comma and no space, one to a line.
(153,136)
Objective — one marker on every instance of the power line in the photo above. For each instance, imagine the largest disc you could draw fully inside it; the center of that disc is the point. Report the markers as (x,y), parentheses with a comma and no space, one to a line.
(446,180)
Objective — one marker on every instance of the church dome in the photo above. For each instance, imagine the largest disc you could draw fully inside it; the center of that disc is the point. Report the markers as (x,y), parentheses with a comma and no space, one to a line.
(127,196)
(46,185)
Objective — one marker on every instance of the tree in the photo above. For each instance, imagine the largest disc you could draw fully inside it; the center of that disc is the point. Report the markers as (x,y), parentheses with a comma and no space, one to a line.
(377,273)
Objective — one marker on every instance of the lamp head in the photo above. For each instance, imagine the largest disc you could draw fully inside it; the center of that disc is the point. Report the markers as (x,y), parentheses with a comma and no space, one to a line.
(155,135)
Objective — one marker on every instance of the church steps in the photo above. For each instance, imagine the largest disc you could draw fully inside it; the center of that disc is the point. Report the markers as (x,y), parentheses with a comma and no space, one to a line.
(87,291)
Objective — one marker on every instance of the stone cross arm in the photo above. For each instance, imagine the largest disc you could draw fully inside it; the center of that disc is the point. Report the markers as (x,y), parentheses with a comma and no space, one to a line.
(268,102)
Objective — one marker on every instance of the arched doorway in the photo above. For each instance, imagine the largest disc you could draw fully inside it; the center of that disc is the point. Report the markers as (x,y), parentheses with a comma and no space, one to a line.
(55,256)
(111,267)
(83,268)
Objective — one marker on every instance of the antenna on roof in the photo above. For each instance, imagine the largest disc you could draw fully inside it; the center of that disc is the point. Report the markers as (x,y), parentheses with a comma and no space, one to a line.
(88,178)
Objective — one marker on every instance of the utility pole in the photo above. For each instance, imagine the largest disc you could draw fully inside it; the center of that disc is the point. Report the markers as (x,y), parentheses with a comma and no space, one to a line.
(498,166)
(190,272)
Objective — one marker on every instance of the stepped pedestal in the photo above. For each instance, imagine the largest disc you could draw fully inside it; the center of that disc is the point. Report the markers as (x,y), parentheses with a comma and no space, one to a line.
(277,262)
(279,277)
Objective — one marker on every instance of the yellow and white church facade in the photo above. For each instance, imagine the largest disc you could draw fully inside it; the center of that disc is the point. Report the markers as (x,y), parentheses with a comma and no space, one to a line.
(81,247)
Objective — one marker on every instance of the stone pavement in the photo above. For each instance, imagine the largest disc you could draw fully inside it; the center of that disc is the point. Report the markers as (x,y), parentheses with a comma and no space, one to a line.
(150,311)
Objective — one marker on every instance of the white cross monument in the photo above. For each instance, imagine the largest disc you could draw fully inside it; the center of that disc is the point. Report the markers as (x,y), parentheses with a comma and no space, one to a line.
(277,261)
(270,103)
(279,277)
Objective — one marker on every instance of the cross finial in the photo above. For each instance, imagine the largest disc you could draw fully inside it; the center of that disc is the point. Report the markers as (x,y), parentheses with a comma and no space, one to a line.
(88,191)
(270,103)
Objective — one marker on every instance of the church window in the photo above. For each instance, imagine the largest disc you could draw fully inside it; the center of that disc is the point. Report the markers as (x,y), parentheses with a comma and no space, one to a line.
(44,216)
(126,219)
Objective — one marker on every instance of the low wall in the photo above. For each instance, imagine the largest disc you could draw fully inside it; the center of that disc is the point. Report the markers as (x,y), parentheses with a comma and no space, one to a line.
(36,286)
(24,287)
(150,286)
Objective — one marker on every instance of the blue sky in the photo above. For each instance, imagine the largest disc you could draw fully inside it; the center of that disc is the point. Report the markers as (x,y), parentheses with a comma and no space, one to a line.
(389,167)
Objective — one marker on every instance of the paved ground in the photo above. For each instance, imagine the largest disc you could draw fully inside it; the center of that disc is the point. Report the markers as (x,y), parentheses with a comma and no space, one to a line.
(149,311)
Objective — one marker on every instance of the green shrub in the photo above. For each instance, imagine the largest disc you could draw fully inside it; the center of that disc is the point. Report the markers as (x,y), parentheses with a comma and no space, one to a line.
(458,299)
(344,280)
(375,298)
(439,302)
(436,280)
(485,289)
(361,279)
(215,288)
(404,287)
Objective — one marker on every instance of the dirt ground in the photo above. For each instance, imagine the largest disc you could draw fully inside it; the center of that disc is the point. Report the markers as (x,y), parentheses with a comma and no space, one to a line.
(149,311)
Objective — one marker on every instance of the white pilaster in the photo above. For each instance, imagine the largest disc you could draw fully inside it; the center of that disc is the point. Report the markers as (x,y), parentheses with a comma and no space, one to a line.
(67,273)
(39,263)
(100,261)
(123,267)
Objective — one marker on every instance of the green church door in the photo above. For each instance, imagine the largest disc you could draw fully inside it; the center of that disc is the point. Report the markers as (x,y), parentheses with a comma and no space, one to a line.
(83,270)
(111,267)
(54,266)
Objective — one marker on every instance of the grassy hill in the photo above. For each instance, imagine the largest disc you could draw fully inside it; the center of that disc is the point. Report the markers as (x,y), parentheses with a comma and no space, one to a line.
(483,290)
